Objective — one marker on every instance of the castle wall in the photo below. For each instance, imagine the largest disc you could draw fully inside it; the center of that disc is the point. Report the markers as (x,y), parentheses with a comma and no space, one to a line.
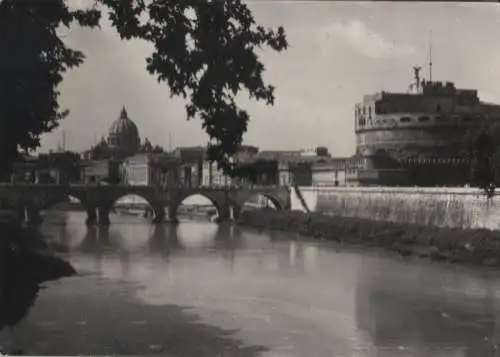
(441,207)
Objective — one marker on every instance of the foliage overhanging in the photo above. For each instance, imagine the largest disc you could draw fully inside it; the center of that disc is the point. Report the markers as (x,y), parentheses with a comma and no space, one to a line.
(205,51)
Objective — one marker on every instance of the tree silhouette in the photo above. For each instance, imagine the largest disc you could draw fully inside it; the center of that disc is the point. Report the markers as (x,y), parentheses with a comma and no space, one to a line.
(205,51)
(32,63)
(158,149)
(67,162)
(146,147)
(100,151)
(259,171)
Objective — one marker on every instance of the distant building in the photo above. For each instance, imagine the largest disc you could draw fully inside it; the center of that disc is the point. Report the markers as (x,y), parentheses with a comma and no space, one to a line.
(121,157)
(123,140)
(417,138)
(213,176)
(298,169)
(100,171)
(192,159)
(278,155)
(247,153)
(152,169)
(331,172)
(27,169)
(52,167)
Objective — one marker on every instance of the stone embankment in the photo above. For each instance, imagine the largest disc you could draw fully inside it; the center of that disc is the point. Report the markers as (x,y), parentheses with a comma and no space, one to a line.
(469,246)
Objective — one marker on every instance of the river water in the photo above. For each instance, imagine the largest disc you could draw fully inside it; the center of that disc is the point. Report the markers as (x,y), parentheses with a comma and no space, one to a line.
(198,289)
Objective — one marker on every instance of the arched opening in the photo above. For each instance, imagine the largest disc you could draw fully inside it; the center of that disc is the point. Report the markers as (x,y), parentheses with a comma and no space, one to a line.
(62,209)
(133,208)
(198,207)
(62,203)
(261,201)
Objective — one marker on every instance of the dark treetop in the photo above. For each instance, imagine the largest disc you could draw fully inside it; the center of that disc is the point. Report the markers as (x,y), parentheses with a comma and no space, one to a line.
(204,50)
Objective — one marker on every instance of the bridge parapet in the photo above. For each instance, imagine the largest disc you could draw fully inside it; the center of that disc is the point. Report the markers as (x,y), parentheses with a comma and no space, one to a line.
(98,200)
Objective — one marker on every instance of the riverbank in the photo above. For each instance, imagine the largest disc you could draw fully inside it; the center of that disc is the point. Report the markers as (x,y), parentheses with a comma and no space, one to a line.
(468,246)
(24,249)
(26,261)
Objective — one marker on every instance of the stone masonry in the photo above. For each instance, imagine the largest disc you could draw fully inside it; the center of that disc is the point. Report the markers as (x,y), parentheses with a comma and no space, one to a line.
(98,200)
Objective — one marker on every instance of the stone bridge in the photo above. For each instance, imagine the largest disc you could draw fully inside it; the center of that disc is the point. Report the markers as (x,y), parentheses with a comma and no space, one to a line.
(98,200)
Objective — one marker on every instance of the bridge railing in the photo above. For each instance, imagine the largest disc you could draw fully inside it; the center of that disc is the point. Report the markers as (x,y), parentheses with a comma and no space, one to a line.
(94,185)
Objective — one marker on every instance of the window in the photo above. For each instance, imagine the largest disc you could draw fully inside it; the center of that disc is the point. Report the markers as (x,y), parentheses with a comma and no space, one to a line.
(423,119)
(405,120)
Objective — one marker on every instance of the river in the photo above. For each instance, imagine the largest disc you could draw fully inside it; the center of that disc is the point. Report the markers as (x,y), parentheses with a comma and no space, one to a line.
(198,289)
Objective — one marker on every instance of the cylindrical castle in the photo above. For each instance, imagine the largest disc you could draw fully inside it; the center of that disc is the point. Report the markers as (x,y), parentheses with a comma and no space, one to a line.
(418,138)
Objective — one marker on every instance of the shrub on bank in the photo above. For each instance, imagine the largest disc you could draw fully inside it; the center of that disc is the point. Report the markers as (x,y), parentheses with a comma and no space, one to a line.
(477,246)
(22,250)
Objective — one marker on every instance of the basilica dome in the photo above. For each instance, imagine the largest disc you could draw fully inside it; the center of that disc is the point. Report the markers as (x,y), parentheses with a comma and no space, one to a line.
(124,135)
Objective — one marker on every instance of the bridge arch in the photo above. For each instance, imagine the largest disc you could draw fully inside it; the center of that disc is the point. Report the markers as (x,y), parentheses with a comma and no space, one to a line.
(155,204)
(243,197)
(50,201)
(274,199)
(213,200)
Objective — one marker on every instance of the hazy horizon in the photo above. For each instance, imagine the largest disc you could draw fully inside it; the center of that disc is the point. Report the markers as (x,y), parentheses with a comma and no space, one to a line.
(339,51)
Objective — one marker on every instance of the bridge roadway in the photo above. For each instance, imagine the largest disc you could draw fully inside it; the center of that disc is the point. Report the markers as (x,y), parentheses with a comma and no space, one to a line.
(98,200)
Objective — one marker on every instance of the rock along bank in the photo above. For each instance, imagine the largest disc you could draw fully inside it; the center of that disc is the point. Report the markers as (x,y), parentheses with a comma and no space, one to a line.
(458,245)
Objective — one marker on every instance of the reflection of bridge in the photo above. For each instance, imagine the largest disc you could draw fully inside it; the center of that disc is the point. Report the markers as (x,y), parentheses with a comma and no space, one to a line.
(98,200)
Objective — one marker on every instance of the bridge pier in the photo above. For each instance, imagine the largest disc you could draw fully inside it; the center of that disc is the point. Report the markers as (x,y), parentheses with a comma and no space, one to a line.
(227,201)
(91,216)
(159,215)
(172,214)
(224,213)
(21,214)
(103,216)
(235,213)
(33,217)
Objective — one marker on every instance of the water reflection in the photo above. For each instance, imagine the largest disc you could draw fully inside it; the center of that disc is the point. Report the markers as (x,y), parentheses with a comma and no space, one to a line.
(96,240)
(419,315)
(229,239)
(298,297)
(162,238)
(197,235)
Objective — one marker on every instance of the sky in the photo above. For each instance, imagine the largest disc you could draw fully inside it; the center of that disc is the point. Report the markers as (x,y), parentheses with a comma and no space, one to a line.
(339,51)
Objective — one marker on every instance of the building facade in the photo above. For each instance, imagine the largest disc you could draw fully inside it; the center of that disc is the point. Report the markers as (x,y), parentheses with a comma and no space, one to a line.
(100,171)
(158,169)
(331,172)
(417,138)
(52,167)
(213,176)
(123,138)
(192,159)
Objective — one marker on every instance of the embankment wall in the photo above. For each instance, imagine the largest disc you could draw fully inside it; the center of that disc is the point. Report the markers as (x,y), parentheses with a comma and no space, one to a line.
(439,207)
